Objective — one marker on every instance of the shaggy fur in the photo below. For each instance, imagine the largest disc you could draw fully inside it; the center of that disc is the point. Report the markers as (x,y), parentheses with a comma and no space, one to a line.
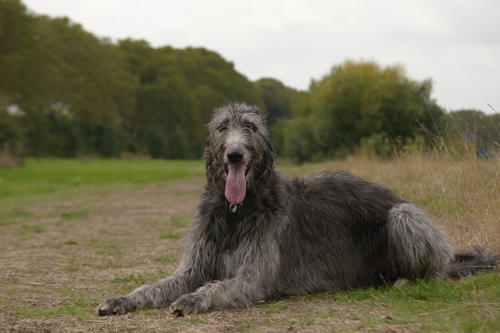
(329,231)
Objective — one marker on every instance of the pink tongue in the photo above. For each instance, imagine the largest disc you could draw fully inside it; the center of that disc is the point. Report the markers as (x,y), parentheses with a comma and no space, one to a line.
(236,186)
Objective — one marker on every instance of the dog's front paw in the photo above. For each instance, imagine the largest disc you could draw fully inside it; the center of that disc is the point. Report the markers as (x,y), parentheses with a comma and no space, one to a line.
(187,304)
(115,306)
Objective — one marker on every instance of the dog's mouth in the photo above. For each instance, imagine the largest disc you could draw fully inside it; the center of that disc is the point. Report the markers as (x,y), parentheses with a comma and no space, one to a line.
(226,168)
(236,185)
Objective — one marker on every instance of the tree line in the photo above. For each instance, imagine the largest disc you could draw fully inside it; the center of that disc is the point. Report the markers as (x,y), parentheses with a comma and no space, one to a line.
(65,92)
(76,94)
(362,106)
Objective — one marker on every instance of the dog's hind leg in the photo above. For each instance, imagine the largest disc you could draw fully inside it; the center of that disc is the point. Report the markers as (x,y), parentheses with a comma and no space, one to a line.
(417,247)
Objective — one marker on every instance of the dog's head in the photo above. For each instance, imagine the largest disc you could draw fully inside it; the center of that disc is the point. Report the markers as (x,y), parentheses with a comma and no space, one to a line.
(238,151)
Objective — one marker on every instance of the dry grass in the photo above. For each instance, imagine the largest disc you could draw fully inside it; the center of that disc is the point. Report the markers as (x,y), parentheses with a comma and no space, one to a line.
(63,253)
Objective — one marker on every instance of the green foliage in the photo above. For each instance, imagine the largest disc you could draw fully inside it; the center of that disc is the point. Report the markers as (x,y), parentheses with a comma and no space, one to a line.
(179,147)
(80,94)
(10,131)
(107,138)
(157,143)
(361,101)
(178,89)
(376,144)
(19,52)
(300,141)
(278,99)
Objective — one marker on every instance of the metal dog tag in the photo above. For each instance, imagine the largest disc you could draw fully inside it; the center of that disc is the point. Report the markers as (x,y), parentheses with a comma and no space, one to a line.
(233,208)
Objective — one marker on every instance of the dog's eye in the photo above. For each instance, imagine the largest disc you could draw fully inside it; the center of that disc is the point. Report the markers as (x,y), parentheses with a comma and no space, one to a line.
(222,128)
(250,127)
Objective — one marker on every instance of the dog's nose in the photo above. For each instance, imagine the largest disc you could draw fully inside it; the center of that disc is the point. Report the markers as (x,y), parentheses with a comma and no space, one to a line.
(235,156)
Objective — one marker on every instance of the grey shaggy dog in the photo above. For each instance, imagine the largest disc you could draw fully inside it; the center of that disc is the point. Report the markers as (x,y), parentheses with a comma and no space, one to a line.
(256,236)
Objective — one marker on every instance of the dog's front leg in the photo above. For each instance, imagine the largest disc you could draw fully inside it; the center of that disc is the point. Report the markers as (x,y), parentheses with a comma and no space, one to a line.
(254,281)
(156,294)
(232,293)
(191,274)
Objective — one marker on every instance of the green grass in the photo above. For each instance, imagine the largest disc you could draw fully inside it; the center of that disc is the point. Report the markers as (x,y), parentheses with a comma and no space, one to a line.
(165,259)
(135,278)
(131,281)
(279,306)
(78,214)
(179,221)
(25,229)
(47,175)
(169,235)
(193,320)
(469,305)
(76,306)
(105,247)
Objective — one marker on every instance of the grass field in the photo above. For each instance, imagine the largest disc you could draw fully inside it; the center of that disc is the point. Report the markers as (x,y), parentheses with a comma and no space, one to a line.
(73,232)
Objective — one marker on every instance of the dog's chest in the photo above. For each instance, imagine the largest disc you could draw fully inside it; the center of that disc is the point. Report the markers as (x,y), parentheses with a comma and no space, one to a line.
(229,262)
(234,247)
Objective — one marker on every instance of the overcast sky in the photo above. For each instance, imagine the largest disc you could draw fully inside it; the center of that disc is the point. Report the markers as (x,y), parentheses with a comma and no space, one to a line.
(455,43)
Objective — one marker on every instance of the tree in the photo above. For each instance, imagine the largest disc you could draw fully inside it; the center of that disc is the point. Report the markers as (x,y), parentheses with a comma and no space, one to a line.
(277,98)
(359,99)
(20,67)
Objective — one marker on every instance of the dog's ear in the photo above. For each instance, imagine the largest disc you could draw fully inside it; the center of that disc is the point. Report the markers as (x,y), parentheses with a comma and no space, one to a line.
(210,164)
(269,156)
(210,169)
(266,164)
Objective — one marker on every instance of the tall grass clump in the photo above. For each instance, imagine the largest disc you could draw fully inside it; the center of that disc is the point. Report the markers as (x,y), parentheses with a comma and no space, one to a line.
(467,133)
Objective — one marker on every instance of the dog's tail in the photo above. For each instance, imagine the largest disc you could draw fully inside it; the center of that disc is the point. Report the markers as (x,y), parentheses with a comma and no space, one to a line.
(467,263)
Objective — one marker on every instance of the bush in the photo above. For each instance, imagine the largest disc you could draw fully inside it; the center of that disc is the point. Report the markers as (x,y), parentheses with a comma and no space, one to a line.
(361,103)
(377,145)
(157,143)
(107,138)
(179,147)
(300,143)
